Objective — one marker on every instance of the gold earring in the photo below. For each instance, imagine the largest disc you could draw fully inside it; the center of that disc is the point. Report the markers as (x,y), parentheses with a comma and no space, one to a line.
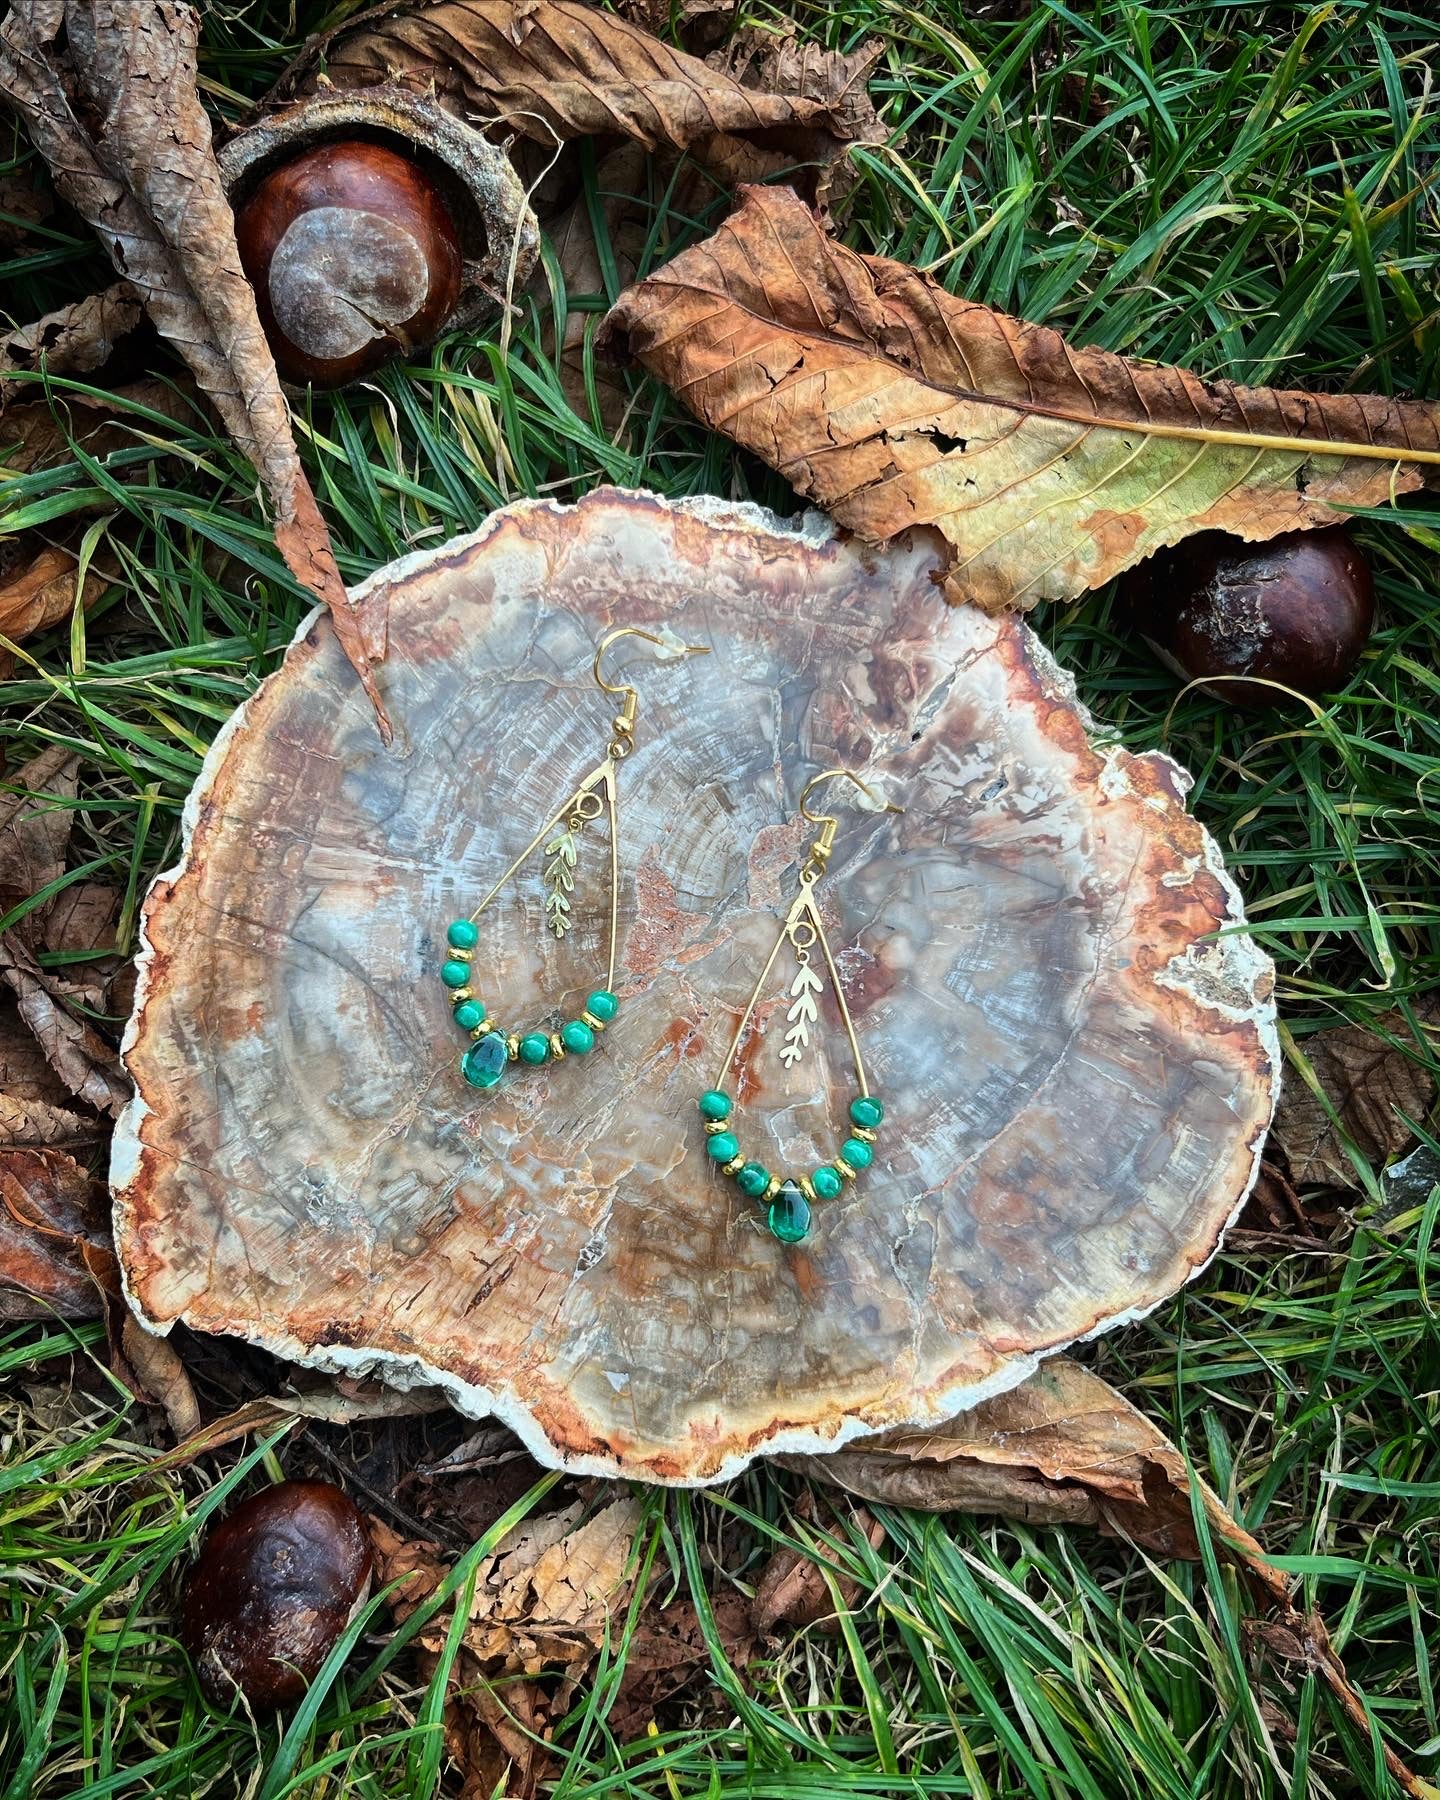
(787,1199)
(491,1046)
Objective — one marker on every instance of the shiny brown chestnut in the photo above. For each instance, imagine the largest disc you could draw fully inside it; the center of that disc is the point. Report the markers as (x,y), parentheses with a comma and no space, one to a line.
(274,1587)
(354,259)
(1296,610)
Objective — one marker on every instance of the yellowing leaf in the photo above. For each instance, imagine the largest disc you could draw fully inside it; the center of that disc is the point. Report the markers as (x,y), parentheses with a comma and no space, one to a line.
(1048,468)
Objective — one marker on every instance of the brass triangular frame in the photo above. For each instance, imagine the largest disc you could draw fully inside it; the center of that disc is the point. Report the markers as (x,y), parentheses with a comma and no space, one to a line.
(602,780)
(802,911)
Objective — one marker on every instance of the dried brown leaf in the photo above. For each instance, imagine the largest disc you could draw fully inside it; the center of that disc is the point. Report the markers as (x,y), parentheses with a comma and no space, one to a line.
(1062,1448)
(546,1601)
(669,1654)
(696,25)
(43,593)
(35,1109)
(780,61)
(1372,1083)
(794,1588)
(37,434)
(72,340)
(78,1054)
(36,813)
(151,1367)
(26,200)
(1048,468)
(82,916)
(107,91)
(56,1254)
(543,1602)
(553,70)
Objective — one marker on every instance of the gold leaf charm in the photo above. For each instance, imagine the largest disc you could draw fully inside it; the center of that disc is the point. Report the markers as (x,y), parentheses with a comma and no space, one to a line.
(802,1014)
(562,852)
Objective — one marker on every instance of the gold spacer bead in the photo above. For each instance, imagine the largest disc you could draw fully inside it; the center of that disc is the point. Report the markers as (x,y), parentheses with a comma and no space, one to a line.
(713,1127)
(459,994)
(462,956)
(843,1169)
(512,1046)
(734,1166)
(806,1189)
(483,1029)
(558,1051)
(865,1137)
(596,1025)
(776,1183)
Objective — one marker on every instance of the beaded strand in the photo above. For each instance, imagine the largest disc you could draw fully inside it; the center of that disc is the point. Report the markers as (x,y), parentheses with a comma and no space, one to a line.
(787,1198)
(492,1048)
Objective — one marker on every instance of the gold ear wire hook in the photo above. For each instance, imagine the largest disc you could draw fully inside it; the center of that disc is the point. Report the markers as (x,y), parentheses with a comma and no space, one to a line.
(819,853)
(623,724)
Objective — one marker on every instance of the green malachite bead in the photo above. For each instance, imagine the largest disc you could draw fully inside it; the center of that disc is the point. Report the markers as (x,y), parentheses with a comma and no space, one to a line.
(866,1111)
(789,1217)
(603,1004)
(753,1180)
(534,1047)
(826,1182)
(859,1155)
(723,1147)
(455,974)
(469,1013)
(462,935)
(714,1104)
(577,1037)
(483,1063)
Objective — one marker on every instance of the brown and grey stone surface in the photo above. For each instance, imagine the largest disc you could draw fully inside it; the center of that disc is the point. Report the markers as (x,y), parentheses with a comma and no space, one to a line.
(1078,1072)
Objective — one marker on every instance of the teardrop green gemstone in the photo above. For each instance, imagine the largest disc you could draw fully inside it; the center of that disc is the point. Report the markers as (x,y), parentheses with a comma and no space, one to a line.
(789,1218)
(483,1063)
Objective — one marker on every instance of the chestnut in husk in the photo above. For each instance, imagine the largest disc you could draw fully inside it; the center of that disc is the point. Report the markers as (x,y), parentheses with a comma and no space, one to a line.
(370,220)
(353,257)
(1296,610)
(272,1590)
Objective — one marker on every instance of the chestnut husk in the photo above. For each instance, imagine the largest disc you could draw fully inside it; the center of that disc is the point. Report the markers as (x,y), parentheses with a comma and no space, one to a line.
(498,234)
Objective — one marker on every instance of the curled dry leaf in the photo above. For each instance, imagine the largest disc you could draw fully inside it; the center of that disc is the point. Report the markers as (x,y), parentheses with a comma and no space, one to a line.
(1065,1448)
(36,812)
(75,1050)
(1372,1084)
(56,1255)
(548,1601)
(74,339)
(107,91)
(35,819)
(43,593)
(151,1368)
(553,70)
(35,1109)
(37,434)
(793,1588)
(1062,1448)
(1046,467)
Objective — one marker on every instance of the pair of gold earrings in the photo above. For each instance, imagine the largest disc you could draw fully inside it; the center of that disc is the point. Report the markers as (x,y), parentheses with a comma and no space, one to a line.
(785,1199)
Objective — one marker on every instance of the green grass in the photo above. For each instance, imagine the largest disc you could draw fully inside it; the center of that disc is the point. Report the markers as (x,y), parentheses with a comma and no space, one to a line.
(1242,188)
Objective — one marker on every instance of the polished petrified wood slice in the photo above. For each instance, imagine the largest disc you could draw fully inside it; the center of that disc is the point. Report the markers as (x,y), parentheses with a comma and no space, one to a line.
(1075,1046)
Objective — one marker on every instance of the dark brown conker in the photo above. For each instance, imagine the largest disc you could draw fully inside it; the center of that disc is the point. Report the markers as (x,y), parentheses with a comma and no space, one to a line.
(274,1587)
(353,256)
(1296,610)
